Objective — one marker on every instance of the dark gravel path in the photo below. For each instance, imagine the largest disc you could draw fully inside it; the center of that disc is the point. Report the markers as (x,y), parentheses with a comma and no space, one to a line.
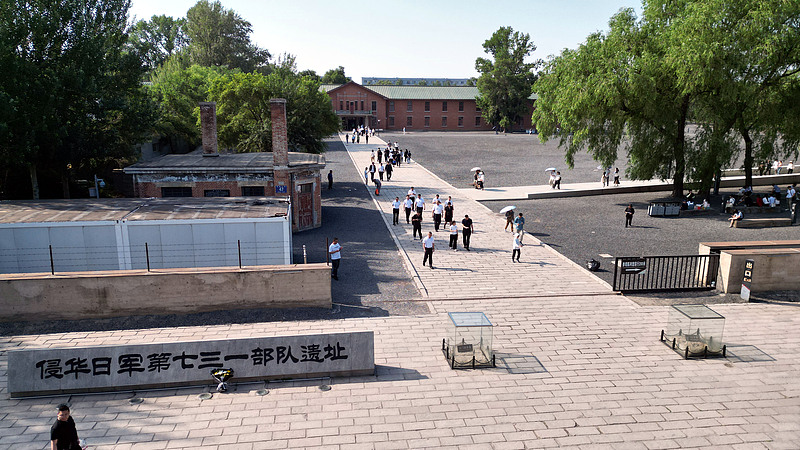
(509,160)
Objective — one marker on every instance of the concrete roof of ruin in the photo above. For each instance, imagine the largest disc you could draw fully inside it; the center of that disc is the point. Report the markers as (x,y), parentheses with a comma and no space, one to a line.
(195,162)
(115,209)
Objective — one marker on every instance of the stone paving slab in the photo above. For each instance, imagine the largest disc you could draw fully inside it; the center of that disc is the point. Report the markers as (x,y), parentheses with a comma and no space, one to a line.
(487,267)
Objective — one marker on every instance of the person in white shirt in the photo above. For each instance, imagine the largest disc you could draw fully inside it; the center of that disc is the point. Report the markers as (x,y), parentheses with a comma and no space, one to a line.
(481,180)
(790,167)
(453,235)
(737,216)
(771,201)
(437,214)
(334,250)
(420,204)
(557,181)
(516,248)
(428,246)
(412,194)
(396,211)
(408,204)
(381,171)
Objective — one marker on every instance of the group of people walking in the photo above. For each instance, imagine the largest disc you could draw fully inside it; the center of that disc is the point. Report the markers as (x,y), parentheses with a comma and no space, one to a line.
(388,159)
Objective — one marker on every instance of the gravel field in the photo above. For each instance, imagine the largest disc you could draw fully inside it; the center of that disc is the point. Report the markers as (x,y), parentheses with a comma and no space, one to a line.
(508,159)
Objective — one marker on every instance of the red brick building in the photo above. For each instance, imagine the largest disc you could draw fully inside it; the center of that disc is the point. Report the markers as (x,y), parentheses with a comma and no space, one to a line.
(283,174)
(415,108)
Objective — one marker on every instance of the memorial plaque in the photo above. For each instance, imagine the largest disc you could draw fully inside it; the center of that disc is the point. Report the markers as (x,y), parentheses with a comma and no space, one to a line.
(747,279)
(124,367)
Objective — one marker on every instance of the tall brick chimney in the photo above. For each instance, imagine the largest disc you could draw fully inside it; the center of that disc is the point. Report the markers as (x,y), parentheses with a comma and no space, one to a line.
(208,123)
(280,139)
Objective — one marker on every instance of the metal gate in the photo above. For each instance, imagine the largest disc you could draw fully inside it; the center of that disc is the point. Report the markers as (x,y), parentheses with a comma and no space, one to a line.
(665,273)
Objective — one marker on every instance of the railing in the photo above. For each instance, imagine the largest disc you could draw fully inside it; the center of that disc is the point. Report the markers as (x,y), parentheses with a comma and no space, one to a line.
(665,273)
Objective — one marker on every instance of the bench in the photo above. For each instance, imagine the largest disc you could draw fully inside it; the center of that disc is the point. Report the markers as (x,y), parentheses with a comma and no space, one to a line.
(763,223)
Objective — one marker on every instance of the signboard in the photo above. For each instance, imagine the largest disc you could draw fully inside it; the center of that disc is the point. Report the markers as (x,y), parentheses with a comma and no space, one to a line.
(633,265)
(280,189)
(122,367)
(747,279)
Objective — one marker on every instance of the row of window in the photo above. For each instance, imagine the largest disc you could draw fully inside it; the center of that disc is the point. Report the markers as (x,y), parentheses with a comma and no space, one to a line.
(410,121)
(410,106)
(247,191)
(349,106)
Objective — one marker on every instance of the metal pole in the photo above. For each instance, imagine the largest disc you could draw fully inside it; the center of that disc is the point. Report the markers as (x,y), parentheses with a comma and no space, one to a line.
(327,255)
(52,266)
(96,188)
(147,255)
(305,257)
(239,244)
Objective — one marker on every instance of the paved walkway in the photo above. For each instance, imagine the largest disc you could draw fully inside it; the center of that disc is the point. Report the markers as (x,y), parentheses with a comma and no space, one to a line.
(582,371)
(485,270)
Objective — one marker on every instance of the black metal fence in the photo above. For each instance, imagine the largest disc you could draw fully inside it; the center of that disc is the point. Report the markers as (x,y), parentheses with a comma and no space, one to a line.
(665,273)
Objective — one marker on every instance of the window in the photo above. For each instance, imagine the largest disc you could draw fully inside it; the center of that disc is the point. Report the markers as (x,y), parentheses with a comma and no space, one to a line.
(444,106)
(391,121)
(427,106)
(461,121)
(252,191)
(391,106)
(341,105)
(307,188)
(409,121)
(217,193)
(410,106)
(176,191)
(444,121)
(460,106)
(478,121)
(362,105)
(427,121)
(374,106)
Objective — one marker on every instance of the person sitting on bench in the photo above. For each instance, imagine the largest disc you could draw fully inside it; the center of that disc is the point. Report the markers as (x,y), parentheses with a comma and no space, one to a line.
(737,216)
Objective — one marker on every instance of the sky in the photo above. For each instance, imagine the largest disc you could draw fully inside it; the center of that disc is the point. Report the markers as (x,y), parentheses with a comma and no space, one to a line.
(405,39)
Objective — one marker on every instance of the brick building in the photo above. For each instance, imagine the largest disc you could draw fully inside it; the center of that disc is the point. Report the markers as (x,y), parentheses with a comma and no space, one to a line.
(415,108)
(207,173)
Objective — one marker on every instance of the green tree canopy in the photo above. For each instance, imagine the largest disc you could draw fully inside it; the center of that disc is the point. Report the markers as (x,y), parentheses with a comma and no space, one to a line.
(505,81)
(157,39)
(220,37)
(335,76)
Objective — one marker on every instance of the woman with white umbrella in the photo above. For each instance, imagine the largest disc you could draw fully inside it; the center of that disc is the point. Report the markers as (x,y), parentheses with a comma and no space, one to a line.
(477,171)
(509,212)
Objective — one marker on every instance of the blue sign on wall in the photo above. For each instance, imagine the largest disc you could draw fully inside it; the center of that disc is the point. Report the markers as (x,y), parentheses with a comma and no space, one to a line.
(280,189)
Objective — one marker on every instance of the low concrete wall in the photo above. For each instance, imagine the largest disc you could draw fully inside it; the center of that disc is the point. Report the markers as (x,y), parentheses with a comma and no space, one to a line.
(82,295)
(707,248)
(776,269)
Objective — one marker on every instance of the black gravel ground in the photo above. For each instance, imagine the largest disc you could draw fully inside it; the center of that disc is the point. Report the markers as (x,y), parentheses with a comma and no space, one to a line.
(515,159)
(372,279)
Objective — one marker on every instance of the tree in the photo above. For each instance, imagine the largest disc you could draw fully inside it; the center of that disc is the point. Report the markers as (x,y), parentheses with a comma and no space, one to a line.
(158,39)
(335,76)
(74,96)
(310,74)
(617,89)
(245,118)
(220,37)
(741,58)
(505,83)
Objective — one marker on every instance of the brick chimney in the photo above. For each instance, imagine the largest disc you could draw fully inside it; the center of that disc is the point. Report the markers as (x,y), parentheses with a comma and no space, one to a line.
(280,139)
(208,123)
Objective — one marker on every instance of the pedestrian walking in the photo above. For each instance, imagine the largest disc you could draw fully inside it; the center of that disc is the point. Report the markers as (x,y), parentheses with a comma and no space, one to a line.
(437,215)
(389,171)
(616,176)
(509,220)
(629,211)
(372,171)
(396,211)
(481,180)
(366,138)
(557,181)
(330,179)
(63,433)
(466,231)
(380,156)
(453,235)
(428,246)
(420,204)
(408,204)
(519,226)
(335,252)
(412,194)
(516,247)
(416,225)
(448,211)
(366,176)
(372,157)
(381,170)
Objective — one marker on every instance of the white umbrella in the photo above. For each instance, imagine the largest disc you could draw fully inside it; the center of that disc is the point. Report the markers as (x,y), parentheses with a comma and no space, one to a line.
(550,169)
(474,169)
(507,209)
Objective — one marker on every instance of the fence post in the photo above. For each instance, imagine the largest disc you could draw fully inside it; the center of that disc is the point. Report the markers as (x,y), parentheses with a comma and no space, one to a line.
(52,266)
(147,255)
(327,255)
(239,245)
(305,258)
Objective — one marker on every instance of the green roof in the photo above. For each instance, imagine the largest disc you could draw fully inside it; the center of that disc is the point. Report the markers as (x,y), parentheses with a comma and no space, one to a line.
(421,92)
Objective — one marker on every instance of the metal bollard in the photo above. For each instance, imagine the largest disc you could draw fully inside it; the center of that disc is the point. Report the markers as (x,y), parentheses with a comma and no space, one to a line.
(305,257)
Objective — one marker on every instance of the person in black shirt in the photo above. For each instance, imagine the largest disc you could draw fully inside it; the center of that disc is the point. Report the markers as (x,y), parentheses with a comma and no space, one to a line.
(416,223)
(466,231)
(63,434)
(629,211)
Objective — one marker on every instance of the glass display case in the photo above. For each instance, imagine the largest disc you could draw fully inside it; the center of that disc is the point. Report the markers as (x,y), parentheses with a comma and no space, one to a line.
(469,341)
(694,330)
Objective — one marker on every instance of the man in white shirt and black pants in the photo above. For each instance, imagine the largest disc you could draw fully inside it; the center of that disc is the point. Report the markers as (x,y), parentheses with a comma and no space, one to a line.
(334,250)
(408,204)
(396,211)
(428,246)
